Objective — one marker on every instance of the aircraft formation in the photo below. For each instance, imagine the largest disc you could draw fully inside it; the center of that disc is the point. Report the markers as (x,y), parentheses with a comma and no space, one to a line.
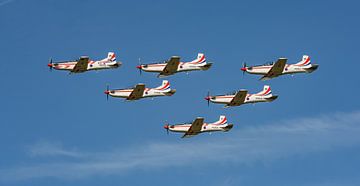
(173,66)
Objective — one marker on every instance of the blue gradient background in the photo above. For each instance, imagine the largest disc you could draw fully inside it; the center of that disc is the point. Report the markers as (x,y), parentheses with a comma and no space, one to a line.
(42,107)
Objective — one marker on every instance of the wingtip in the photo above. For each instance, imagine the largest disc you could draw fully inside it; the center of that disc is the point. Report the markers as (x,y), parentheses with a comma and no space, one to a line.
(264,78)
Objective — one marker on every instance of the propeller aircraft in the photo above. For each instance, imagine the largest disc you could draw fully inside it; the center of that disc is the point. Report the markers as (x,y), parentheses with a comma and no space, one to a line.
(139,91)
(199,126)
(84,64)
(173,65)
(279,68)
(242,97)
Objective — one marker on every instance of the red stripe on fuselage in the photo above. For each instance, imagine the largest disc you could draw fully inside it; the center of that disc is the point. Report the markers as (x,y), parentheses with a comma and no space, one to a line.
(165,86)
(306,61)
(222,122)
(268,90)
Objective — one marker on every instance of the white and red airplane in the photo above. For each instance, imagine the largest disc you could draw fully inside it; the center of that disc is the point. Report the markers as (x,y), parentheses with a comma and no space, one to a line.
(198,126)
(85,64)
(141,92)
(242,97)
(173,65)
(272,70)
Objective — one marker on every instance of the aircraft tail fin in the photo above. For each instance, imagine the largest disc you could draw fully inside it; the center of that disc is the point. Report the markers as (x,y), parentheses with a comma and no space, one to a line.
(266,91)
(200,59)
(164,86)
(305,61)
(222,120)
(111,57)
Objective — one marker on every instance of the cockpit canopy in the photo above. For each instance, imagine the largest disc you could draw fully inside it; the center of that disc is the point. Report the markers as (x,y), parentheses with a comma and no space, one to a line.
(269,63)
(158,62)
(231,93)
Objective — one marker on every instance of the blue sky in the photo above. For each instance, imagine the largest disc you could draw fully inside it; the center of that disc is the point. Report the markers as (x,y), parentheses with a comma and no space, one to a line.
(58,129)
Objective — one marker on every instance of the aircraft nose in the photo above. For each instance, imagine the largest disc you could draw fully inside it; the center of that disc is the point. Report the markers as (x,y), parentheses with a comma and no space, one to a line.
(106,92)
(207,98)
(166,126)
(49,65)
(139,67)
(243,69)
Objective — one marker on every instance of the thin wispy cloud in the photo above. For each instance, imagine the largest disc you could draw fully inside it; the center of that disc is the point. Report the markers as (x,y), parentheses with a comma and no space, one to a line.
(45,148)
(2,3)
(266,143)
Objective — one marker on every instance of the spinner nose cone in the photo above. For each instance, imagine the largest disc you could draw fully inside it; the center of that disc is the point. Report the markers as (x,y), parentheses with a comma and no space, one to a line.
(106,92)
(243,69)
(166,126)
(139,67)
(207,98)
(49,65)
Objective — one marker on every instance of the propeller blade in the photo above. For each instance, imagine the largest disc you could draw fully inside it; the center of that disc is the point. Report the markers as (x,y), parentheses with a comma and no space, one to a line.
(208,100)
(50,64)
(166,126)
(139,67)
(107,95)
(244,68)
(107,92)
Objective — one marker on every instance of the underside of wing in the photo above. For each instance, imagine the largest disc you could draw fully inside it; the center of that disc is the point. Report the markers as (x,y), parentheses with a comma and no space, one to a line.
(81,65)
(137,93)
(239,98)
(195,128)
(171,66)
(276,69)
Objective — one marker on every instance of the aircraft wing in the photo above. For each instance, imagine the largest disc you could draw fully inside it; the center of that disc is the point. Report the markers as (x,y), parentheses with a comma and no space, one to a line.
(171,66)
(276,69)
(195,128)
(238,99)
(81,65)
(137,93)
